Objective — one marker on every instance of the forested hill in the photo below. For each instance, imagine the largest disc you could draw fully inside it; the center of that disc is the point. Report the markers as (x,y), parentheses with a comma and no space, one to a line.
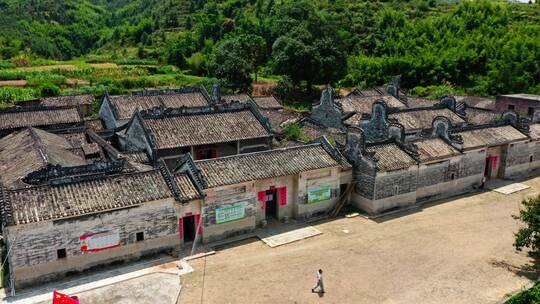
(484,47)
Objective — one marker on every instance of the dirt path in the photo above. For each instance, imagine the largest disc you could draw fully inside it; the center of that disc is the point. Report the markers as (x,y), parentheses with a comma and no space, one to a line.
(459,251)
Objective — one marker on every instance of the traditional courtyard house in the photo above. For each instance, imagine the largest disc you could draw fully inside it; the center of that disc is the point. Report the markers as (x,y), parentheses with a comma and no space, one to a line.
(205,132)
(384,173)
(84,102)
(116,111)
(523,104)
(416,120)
(500,150)
(440,162)
(244,190)
(73,224)
(53,119)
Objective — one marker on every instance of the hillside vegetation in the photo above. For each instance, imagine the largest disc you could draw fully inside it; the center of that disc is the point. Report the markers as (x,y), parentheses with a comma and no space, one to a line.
(475,47)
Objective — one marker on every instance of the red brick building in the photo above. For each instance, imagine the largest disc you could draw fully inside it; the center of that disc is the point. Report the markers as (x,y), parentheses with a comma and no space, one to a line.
(523,104)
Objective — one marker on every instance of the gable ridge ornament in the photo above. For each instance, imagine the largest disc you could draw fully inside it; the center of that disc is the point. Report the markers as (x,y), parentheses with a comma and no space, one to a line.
(354,145)
(327,112)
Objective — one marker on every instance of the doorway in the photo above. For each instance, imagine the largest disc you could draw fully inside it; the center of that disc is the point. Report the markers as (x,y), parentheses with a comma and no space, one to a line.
(488,169)
(188,226)
(271,210)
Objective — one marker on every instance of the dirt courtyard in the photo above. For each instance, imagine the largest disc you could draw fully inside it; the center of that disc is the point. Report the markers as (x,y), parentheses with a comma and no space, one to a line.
(457,251)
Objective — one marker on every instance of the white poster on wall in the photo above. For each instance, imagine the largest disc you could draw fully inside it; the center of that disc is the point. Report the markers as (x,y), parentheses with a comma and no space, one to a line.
(100,239)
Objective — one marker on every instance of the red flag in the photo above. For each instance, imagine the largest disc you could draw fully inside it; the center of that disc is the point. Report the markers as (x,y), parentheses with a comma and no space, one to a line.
(60,298)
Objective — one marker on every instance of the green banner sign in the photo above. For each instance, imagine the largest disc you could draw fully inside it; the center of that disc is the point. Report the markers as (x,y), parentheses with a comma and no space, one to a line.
(230,212)
(319,194)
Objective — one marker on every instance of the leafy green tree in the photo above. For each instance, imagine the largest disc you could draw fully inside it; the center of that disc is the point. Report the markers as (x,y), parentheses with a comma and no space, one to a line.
(529,235)
(229,65)
(254,48)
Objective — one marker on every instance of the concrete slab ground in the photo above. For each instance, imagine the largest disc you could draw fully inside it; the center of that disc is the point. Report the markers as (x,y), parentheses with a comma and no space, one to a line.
(509,189)
(154,280)
(456,251)
(274,240)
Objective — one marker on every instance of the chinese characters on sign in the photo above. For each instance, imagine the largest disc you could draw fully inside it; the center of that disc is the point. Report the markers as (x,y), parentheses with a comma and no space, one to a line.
(100,239)
(319,194)
(230,212)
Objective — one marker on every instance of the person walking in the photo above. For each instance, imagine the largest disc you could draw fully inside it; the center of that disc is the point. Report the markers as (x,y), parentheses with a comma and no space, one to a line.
(319,284)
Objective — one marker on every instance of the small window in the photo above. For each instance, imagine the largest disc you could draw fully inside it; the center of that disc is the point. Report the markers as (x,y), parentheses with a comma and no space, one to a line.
(511,145)
(530,158)
(530,111)
(396,189)
(61,253)
(511,107)
(140,236)
(452,176)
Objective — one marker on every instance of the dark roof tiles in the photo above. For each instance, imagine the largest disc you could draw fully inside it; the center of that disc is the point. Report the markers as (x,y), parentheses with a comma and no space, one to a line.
(201,129)
(263,165)
(92,196)
(390,157)
(38,117)
(492,136)
(126,105)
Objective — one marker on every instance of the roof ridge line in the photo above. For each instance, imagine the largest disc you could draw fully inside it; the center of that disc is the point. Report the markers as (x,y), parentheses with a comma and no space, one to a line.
(259,152)
(39,145)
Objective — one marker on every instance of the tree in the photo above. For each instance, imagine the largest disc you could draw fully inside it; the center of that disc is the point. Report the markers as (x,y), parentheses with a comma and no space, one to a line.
(230,65)
(529,236)
(254,48)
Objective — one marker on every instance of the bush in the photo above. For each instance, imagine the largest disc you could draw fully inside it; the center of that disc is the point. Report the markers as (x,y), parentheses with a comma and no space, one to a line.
(283,88)
(294,131)
(530,296)
(10,94)
(49,89)
(21,61)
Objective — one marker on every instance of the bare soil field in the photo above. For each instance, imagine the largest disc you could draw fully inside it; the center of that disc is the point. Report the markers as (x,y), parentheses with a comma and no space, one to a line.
(456,251)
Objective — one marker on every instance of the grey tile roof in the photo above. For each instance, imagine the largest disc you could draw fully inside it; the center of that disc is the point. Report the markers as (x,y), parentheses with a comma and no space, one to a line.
(434,149)
(71,100)
(491,136)
(478,116)
(477,102)
(278,117)
(136,156)
(236,97)
(38,117)
(535,131)
(267,102)
(29,150)
(360,104)
(263,165)
(126,105)
(95,125)
(419,102)
(44,203)
(390,157)
(200,129)
(313,131)
(422,118)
